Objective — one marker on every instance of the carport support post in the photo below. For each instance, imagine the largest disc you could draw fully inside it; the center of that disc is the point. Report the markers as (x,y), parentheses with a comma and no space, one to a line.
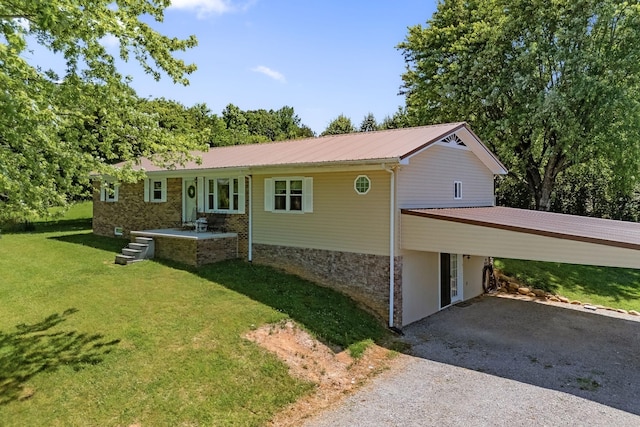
(392,243)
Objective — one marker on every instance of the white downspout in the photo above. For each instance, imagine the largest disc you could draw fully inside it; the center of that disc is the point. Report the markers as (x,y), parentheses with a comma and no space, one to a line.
(392,243)
(250,230)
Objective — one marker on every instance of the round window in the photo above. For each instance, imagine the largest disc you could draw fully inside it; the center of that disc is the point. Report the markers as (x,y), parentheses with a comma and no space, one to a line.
(362,184)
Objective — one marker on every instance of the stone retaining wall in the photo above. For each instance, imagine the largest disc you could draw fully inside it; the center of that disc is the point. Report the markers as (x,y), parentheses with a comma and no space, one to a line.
(363,277)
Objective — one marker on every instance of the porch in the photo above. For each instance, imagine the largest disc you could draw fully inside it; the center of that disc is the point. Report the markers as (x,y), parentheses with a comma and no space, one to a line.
(190,246)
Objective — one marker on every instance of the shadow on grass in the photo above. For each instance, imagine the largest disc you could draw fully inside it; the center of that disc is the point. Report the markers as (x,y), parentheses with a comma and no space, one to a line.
(47,226)
(332,317)
(619,284)
(111,244)
(35,348)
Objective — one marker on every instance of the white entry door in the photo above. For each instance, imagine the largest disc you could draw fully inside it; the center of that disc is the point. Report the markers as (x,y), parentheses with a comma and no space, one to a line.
(189,199)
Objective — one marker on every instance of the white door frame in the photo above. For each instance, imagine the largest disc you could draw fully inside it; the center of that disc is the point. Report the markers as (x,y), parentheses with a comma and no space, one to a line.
(455,261)
(186,183)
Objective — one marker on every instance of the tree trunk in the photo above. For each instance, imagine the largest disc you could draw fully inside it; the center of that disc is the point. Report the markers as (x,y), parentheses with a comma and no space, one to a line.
(544,189)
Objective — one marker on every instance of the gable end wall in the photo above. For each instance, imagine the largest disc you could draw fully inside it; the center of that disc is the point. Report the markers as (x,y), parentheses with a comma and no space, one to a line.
(427,181)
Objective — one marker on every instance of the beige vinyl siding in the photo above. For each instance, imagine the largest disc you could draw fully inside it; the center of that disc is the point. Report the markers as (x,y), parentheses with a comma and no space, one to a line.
(427,234)
(341,219)
(427,181)
(420,285)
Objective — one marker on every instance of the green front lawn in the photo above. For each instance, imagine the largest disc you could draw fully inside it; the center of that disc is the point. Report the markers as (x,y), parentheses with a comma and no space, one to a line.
(86,342)
(607,286)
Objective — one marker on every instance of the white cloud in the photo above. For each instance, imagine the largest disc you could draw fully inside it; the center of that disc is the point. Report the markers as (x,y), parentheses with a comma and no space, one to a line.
(270,73)
(205,8)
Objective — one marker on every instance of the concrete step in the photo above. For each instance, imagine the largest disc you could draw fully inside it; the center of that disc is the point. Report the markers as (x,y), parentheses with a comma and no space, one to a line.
(124,259)
(150,249)
(137,254)
(138,246)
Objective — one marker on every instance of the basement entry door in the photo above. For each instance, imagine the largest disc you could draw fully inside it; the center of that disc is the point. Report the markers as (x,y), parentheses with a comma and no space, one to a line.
(450,279)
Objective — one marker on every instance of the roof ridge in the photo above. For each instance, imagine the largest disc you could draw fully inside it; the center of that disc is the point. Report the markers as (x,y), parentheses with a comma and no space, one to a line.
(393,130)
(357,133)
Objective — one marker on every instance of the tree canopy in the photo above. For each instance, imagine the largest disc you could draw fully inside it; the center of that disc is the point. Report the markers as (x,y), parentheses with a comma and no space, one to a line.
(339,125)
(550,85)
(56,126)
(254,126)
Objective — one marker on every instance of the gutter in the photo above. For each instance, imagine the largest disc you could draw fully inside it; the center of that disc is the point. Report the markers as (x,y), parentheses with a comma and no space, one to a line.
(250,230)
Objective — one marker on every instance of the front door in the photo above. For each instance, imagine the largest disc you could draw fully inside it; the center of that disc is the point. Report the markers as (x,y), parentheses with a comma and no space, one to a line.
(450,279)
(189,199)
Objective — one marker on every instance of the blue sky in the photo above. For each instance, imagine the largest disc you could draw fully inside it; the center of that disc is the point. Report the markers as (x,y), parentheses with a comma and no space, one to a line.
(321,57)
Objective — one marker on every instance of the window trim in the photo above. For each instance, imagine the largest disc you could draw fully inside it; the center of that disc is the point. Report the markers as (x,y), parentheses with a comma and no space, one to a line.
(240,209)
(355,185)
(307,194)
(457,190)
(149,190)
(109,195)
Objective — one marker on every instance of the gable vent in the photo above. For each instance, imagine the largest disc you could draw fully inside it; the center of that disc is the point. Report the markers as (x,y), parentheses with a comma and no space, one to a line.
(453,139)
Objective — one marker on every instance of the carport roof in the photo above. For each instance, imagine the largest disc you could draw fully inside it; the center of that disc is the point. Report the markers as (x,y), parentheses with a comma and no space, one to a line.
(622,234)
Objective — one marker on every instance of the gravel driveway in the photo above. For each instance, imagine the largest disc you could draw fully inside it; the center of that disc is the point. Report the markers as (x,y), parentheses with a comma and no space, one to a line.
(505,362)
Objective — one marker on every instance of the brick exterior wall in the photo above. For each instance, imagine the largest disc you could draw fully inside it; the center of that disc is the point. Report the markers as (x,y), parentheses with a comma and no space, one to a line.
(196,252)
(209,251)
(363,277)
(132,213)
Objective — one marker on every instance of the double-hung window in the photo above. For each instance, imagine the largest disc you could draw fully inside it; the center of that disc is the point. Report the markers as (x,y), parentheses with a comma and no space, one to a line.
(155,190)
(109,191)
(289,194)
(224,195)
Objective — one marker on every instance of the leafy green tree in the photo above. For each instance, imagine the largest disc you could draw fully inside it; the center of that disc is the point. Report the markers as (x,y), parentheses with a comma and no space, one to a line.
(548,84)
(369,123)
(397,121)
(339,125)
(48,118)
(255,126)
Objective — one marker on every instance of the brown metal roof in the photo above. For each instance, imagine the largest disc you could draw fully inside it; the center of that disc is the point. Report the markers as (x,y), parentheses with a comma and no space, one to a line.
(584,229)
(389,145)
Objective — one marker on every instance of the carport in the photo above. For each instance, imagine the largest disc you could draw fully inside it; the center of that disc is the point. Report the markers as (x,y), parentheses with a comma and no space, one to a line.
(458,239)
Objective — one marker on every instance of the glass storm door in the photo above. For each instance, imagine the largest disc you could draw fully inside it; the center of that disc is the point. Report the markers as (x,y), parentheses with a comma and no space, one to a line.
(450,279)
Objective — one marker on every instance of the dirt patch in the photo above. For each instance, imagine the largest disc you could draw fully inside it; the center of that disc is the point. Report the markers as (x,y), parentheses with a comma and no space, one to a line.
(335,374)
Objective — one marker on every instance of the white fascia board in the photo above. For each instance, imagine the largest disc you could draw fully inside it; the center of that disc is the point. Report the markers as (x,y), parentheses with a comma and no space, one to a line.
(481,151)
(355,166)
(474,144)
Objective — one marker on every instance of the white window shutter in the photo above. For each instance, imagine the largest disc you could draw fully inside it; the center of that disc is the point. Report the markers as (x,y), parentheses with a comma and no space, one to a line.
(201,193)
(163,198)
(268,194)
(116,187)
(146,190)
(241,195)
(103,191)
(307,195)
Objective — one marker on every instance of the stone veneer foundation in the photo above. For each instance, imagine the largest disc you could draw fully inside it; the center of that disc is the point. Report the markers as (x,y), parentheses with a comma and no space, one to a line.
(363,277)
